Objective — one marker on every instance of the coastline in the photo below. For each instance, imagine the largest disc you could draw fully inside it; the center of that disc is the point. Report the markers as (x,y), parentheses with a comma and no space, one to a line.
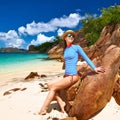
(25,103)
(22,70)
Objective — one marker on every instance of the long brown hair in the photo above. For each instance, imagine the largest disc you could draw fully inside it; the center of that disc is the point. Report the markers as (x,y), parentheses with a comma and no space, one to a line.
(65,45)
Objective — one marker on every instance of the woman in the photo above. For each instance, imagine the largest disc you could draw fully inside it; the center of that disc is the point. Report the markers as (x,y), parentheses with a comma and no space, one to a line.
(71,53)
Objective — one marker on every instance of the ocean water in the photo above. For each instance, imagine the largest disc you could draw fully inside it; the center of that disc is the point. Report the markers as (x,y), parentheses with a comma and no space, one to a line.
(14,61)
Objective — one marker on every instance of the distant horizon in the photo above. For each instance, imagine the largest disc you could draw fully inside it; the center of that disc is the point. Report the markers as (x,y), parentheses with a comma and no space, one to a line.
(35,22)
(12,48)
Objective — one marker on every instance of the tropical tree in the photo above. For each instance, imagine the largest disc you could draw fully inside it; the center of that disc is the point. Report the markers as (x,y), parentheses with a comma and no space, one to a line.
(92,25)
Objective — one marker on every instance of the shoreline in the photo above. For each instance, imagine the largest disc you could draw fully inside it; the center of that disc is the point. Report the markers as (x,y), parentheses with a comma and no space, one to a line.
(22,70)
(25,103)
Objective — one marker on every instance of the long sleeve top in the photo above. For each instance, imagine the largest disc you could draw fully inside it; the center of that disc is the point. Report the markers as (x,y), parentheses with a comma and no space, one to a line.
(71,58)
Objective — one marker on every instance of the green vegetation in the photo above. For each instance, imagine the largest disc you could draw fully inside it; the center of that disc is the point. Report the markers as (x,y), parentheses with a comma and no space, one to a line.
(46,46)
(93,26)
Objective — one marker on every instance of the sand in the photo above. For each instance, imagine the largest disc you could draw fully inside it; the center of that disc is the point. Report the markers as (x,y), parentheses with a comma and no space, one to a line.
(25,103)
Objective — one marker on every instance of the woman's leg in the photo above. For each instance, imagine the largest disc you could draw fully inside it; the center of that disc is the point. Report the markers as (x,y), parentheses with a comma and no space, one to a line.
(48,100)
(55,86)
(60,101)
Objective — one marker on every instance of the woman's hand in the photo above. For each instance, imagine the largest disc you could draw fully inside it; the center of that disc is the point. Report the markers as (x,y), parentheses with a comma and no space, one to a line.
(99,69)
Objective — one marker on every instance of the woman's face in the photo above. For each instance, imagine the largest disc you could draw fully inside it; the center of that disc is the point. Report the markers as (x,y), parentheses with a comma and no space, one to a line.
(69,38)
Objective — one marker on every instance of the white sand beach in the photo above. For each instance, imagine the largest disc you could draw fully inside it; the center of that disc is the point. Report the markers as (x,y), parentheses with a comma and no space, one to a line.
(25,103)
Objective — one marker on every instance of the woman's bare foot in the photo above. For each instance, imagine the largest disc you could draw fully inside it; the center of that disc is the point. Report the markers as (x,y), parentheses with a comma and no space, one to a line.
(42,112)
(62,106)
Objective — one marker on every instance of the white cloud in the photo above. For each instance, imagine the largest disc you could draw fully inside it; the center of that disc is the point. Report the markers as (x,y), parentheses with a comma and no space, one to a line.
(14,39)
(15,43)
(11,39)
(21,30)
(41,39)
(34,28)
(60,32)
(12,34)
(71,21)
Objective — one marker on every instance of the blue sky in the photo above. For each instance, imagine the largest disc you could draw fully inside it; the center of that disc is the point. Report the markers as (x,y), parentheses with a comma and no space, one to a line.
(26,22)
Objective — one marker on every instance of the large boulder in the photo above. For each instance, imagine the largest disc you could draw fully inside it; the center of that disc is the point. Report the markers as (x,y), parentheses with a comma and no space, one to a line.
(116,93)
(95,90)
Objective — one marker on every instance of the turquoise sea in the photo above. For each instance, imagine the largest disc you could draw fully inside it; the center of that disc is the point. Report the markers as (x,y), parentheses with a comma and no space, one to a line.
(10,61)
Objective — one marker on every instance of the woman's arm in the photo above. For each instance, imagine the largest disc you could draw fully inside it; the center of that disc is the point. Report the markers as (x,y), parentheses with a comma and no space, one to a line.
(90,63)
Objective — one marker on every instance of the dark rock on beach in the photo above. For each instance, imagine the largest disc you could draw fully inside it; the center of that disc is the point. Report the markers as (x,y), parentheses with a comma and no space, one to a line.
(13,90)
(32,75)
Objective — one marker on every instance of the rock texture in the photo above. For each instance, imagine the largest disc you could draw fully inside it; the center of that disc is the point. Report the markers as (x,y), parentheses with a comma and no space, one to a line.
(95,90)
(56,52)
(116,93)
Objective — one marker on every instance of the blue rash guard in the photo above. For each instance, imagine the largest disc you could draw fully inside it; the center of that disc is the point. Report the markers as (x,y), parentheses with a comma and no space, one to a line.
(71,58)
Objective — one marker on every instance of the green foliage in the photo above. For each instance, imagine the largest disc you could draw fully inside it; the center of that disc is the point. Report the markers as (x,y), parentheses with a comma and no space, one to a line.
(93,26)
(47,45)
(111,15)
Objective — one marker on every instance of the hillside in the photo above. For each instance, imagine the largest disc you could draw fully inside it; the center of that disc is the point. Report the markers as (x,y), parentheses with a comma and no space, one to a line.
(11,50)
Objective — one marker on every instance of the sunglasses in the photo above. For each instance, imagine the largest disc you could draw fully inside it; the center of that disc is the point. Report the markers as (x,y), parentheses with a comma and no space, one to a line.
(70,35)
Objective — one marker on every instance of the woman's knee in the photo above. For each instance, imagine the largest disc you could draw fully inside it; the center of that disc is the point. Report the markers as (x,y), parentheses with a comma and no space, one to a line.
(50,86)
